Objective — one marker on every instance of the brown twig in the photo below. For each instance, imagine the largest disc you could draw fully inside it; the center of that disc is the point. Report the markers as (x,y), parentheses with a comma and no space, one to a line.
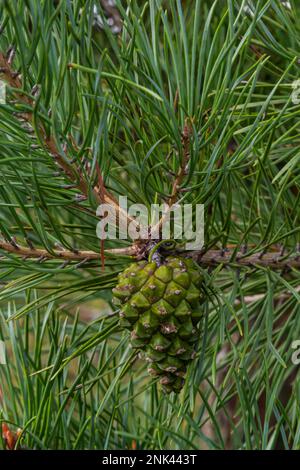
(14,81)
(100,194)
(38,253)
(272,259)
(185,141)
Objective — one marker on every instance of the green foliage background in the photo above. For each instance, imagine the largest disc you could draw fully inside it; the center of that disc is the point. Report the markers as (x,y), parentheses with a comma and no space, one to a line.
(121,101)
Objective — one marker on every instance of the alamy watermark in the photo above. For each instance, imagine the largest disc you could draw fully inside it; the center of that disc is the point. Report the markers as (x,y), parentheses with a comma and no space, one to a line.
(182,222)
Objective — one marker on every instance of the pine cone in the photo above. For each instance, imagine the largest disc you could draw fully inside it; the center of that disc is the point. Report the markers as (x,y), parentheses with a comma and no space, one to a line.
(161,306)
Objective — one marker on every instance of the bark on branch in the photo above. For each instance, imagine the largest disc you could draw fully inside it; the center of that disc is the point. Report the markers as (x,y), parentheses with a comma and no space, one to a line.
(13,79)
(273,259)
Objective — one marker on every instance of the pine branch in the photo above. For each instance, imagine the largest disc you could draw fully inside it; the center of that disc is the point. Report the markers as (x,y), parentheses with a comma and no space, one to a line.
(13,79)
(26,252)
(219,67)
(185,141)
(272,259)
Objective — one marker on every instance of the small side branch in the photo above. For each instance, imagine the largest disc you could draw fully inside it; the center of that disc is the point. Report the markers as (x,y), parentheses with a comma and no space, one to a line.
(186,143)
(13,79)
(38,253)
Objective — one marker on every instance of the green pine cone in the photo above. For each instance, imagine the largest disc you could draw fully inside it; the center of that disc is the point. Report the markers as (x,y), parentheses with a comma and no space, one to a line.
(161,306)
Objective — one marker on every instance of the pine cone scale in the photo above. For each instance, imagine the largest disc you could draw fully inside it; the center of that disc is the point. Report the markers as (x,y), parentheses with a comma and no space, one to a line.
(161,306)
